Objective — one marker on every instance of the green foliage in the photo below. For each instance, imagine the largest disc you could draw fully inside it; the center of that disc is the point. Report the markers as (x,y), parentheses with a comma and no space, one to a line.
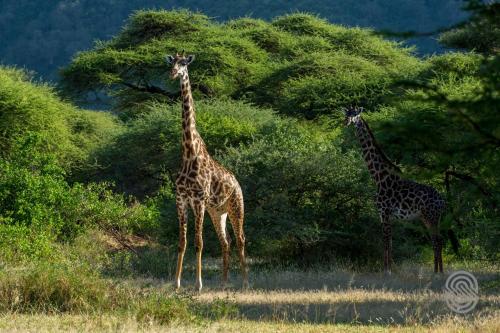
(480,33)
(70,135)
(38,207)
(20,105)
(298,64)
(44,142)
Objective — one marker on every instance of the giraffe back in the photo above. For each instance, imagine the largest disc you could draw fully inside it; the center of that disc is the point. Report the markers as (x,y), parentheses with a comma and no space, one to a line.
(406,199)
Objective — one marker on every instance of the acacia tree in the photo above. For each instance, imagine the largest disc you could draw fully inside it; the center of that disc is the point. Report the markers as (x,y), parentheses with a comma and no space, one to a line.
(298,64)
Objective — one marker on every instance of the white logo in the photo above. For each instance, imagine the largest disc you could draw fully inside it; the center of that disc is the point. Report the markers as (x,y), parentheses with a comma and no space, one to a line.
(461,292)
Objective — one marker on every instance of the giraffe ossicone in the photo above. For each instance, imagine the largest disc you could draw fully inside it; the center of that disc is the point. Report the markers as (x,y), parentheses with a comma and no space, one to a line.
(204,185)
(397,197)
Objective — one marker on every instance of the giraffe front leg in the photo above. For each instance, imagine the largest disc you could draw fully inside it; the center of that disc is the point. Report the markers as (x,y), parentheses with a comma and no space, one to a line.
(182,214)
(434,248)
(199,212)
(387,234)
(438,248)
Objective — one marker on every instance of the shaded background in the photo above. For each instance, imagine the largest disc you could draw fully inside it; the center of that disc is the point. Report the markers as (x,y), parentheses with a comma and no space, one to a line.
(43,35)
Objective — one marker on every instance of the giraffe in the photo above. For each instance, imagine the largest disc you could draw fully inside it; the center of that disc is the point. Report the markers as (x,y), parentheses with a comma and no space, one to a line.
(204,185)
(397,197)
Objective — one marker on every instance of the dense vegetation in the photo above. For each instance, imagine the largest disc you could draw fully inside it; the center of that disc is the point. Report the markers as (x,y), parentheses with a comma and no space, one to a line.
(43,36)
(269,97)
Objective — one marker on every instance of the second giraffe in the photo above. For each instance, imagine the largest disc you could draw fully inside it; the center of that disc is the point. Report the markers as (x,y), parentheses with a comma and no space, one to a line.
(397,197)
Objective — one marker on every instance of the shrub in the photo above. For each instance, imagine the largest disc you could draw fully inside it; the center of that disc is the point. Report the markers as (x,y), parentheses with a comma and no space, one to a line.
(53,287)
(27,107)
(38,206)
(65,132)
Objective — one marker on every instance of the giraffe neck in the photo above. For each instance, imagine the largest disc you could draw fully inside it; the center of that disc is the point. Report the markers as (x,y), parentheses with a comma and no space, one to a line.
(190,136)
(378,164)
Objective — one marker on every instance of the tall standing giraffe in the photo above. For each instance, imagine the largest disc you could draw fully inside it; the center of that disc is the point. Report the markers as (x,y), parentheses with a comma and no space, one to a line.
(398,197)
(203,184)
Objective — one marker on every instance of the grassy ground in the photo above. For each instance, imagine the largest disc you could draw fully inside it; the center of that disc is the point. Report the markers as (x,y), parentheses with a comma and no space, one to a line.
(326,300)
(106,323)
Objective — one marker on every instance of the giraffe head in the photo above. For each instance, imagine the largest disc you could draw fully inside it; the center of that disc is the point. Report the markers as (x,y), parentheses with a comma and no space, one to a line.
(179,64)
(352,115)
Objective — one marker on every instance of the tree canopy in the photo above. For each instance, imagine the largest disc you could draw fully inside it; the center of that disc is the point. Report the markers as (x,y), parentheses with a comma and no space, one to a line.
(298,64)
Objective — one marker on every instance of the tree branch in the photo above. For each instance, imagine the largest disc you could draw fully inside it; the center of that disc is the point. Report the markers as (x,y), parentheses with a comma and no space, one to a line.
(151,89)
(471,180)
(476,127)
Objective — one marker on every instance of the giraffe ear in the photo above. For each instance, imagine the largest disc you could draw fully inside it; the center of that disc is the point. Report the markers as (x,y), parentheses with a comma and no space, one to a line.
(169,59)
(190,59)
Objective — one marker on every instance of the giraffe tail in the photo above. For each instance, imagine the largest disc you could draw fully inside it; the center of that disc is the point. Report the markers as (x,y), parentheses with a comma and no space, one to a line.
(454,241)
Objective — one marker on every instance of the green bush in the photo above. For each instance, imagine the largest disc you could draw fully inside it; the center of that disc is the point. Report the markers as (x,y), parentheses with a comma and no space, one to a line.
(27,107)
(70,135)
(38,206)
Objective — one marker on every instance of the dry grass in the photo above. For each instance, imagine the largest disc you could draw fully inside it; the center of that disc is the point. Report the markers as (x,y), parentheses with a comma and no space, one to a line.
(412,296)
(334,300)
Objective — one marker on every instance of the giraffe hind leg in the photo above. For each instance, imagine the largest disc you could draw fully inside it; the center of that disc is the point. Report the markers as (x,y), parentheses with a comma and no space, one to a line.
(437,244)
(387,234)
(437,247)
(235,210)
(219,220)
(387,238)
